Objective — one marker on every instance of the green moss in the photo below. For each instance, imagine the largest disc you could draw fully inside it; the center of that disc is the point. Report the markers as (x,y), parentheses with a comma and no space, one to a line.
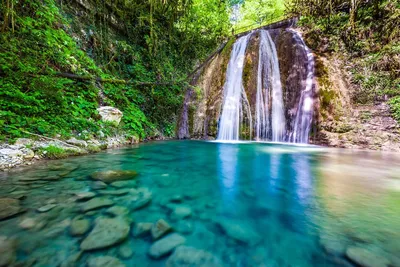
(53,152)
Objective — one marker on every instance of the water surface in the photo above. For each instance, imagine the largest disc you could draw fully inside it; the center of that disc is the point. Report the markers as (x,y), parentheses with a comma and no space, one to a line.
(297,205)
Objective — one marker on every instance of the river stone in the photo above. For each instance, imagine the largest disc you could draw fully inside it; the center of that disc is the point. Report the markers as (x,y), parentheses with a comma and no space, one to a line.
(105,261)
(160,228)
(181,211)
(123,184)
(95,203)
(125,251)
(113,175)
(84,195)
(110,114)
(118,192)
(184,256)
(9,207)
(142,228)
(166,245)
(23,141)
(7,251)
(143,198)
(239,231)
(27,223)
(46,208)
(98,185)
(79,226)
(76,142)
(118,211)
(106,232)
(365,257)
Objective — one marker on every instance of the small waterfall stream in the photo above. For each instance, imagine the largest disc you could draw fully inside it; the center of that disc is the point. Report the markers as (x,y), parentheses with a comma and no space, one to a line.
(304,114)
(269,122)
(269,87)
(235,99)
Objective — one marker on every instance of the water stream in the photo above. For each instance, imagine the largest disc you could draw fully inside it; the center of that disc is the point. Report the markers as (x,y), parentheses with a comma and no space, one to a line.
(244,204)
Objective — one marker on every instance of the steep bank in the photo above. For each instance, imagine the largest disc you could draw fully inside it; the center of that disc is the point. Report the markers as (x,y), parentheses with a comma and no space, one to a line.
(62,60)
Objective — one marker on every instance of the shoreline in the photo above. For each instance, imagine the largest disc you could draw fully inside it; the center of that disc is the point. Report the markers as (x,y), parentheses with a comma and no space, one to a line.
(26,152)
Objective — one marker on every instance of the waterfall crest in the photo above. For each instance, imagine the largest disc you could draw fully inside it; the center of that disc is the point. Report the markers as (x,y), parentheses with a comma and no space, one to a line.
(235,98)
(269,90)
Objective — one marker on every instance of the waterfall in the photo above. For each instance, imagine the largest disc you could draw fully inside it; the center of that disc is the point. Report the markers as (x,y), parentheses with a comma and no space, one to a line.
(269,105)
(235,98)
(304,114)
(269,87)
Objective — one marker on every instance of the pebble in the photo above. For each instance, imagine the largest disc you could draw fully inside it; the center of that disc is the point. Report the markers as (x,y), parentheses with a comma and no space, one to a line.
(46,208)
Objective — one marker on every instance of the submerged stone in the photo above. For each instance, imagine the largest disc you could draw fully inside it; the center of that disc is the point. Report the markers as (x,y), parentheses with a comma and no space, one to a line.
(118,192)
(180,212)
(113,175)
(166,245)
(366,258)
(160,228)
(85,195)
(142,229)
(184,256)
(123,184)
(143,198)
(95,203)
(105,261)
(125,251)
(79,226)
(46,208)
(9,207)
(7,251)
(28,223)
(106,232)
(98,185)
(118,211)
(239,231)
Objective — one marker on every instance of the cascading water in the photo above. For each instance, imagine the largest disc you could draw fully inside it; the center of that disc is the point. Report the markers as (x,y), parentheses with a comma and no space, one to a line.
(269,87)
(235,99)
(304,114)
(268,101)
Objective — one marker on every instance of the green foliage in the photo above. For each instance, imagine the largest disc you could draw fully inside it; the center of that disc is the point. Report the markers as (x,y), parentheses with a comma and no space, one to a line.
(395,107)
(255,13)
(53,152)
(143,42)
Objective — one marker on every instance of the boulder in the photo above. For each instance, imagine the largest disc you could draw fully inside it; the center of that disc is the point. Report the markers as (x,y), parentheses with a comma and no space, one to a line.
(7,251)
(113,175)
(28,154)
(110,114)
(96,203)
(366,258)
(188,256)
(160,228)
(106,232)
(76,142)
(9,207)
(105,261)
(79,226)
(142,229)
(166,245)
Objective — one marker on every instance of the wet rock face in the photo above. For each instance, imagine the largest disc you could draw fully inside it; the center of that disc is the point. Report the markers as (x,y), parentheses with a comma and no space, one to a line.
(203,104)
